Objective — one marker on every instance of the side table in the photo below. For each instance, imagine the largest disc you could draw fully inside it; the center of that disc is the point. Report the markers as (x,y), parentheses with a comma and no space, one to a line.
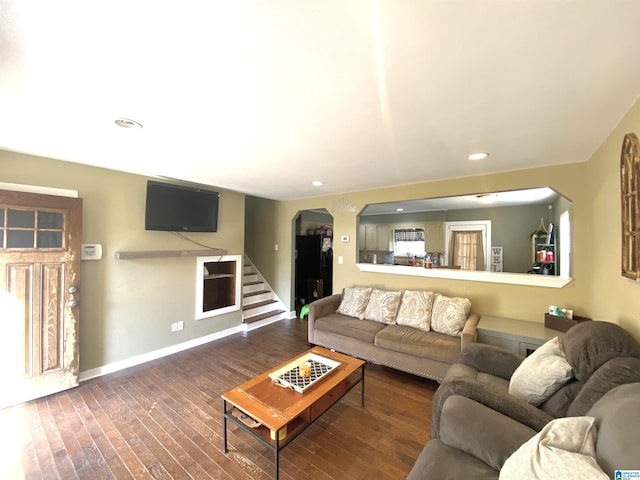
(518,336)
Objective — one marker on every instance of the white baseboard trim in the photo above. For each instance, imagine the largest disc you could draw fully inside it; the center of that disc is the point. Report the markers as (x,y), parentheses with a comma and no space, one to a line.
(163,352)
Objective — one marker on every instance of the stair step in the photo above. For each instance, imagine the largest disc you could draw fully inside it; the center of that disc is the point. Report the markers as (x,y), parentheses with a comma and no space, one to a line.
(262,316)
(259,304)
(257,282)
(252,294)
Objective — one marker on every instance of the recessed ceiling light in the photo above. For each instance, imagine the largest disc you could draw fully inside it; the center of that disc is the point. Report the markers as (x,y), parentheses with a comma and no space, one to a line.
(317,183)
(478,156)
(127,123)
(400,209)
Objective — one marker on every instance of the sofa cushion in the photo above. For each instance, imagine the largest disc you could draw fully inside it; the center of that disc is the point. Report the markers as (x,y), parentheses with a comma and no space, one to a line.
(618,423)
(382,306)
(432,345)
(541,374)
(564,448)
(617,371)
(441,462)
(480,431)
(589,345)
(415,309)
(449,314)
(354,302)
(336,323)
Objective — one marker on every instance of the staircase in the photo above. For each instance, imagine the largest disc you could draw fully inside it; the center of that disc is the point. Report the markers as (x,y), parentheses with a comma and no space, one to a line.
(260,305)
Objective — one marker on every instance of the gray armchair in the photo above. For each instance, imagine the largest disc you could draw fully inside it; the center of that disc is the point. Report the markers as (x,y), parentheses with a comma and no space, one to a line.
(476,441)
(602,355)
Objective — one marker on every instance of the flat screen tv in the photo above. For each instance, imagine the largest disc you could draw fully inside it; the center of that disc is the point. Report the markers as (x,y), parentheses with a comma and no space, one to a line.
(175,208)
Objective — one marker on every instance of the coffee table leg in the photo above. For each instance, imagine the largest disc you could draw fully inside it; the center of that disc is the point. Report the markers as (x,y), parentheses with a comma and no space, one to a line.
(224,425)
(277,456)
(362,388)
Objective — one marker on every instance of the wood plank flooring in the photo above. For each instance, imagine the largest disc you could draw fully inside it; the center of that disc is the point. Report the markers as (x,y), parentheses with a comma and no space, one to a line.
(162,420)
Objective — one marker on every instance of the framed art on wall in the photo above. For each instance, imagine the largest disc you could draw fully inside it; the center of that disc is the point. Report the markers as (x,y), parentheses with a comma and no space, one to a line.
(630,192)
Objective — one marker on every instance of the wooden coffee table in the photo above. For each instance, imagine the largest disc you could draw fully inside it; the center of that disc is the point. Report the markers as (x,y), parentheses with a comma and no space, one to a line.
(277,408)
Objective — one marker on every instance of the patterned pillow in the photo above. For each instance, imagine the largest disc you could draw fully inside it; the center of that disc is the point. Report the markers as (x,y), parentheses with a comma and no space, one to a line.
(354,302)
(415,309)
(383,306)
(449,314)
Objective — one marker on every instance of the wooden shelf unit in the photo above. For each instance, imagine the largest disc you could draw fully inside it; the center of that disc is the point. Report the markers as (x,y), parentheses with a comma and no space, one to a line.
(219,289)
(218,285)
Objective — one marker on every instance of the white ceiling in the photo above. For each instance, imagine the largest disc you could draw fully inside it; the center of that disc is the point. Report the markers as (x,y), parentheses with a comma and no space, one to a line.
(265,96)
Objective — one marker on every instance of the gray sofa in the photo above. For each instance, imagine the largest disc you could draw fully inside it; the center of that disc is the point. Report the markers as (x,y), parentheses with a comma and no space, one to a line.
(602,356)
(479,421)
(476,442)
(428,354)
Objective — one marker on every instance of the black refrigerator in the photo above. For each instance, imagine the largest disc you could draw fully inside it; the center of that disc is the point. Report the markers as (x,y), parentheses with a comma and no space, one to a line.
(314,268)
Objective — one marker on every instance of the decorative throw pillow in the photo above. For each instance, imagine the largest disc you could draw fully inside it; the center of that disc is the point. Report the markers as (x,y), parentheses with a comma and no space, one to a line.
(354,302)
(541,374)
(564,448)
(449,314)
(415,309)
(383,306)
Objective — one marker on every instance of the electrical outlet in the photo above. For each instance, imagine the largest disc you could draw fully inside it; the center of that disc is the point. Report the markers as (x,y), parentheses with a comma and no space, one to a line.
(177,326)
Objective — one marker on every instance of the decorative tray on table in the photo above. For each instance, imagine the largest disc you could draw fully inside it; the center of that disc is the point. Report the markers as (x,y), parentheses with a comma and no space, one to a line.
(289,375)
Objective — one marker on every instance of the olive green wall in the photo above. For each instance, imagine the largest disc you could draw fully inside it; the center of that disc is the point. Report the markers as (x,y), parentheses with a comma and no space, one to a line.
(597,291)
(521,302)
(127,306)
(612,296)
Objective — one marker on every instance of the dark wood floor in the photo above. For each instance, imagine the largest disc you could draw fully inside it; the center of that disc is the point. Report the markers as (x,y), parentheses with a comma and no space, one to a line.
(163,420)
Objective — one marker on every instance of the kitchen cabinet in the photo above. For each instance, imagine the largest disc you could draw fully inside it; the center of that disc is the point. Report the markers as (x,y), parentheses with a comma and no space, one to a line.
(383,238)
(375,237)
(434,237)
(371,237)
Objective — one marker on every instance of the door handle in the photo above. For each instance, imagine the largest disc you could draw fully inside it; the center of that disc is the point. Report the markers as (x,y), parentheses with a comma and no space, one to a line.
(72,302)
(73,289)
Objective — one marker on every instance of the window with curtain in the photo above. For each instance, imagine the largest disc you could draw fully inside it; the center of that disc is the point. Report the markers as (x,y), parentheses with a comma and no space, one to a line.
(408,241)
(467,250)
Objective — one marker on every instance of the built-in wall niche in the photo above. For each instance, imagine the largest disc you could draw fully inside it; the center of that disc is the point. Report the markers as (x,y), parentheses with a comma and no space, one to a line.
(218,285)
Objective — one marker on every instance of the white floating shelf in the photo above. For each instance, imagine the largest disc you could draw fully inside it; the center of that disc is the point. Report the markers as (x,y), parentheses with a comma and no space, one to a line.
(131,255)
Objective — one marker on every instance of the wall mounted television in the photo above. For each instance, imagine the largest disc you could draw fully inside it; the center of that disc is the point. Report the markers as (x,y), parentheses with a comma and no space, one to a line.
(175,208)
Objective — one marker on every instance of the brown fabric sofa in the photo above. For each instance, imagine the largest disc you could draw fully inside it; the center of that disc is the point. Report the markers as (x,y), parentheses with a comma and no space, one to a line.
(428,354)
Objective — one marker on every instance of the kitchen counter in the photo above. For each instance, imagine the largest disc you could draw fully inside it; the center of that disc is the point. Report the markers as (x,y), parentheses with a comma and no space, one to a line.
(550,281)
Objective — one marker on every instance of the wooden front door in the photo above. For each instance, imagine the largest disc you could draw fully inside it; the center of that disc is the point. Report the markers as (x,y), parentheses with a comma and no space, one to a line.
(40,242)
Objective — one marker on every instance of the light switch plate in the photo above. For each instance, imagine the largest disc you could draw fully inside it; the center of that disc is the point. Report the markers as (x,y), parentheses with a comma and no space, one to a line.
(91,251)
(344,238)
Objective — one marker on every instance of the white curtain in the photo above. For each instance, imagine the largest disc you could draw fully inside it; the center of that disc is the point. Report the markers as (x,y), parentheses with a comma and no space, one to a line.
(466,249)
